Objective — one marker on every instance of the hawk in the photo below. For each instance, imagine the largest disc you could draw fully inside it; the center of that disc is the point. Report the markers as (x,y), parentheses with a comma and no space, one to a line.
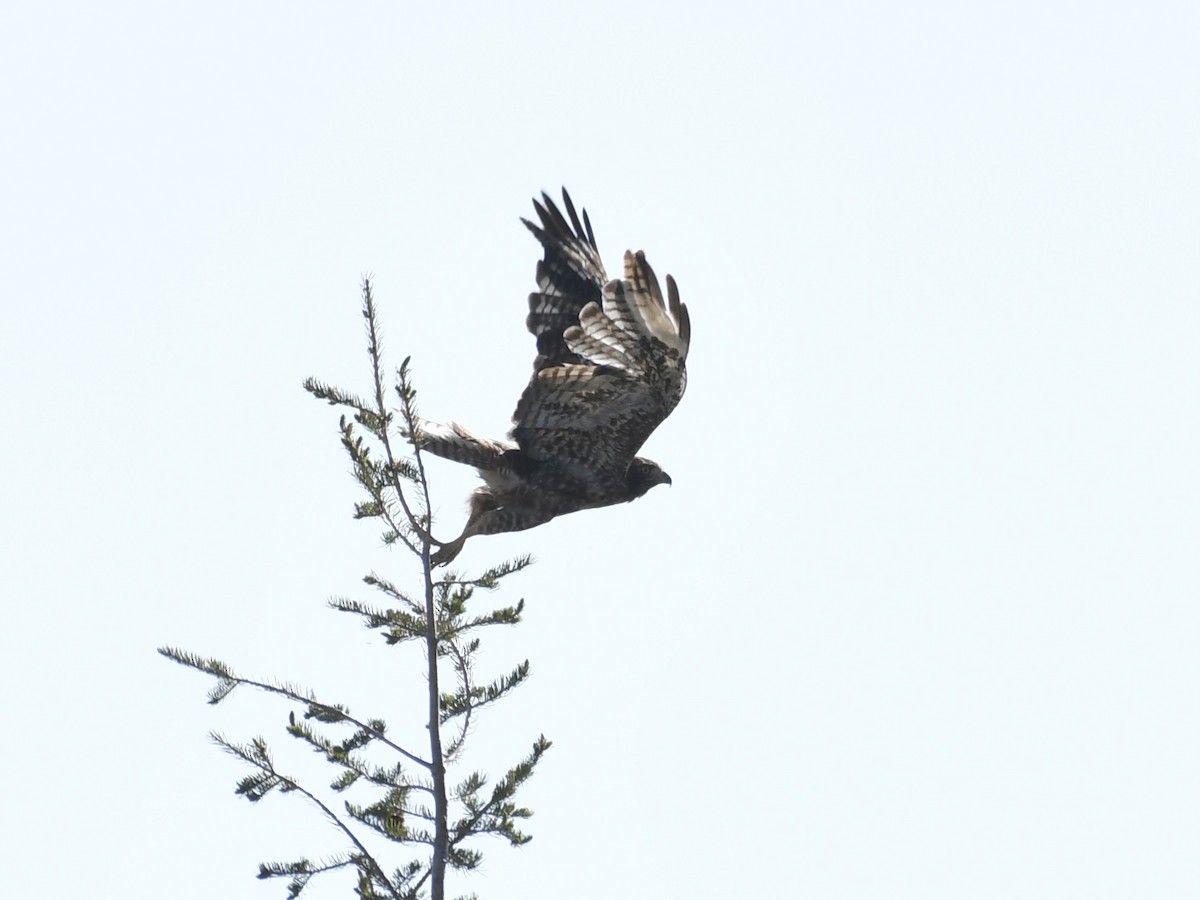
(610,367)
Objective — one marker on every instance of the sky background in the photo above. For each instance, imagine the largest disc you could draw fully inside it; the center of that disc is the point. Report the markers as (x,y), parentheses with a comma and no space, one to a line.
(918,618)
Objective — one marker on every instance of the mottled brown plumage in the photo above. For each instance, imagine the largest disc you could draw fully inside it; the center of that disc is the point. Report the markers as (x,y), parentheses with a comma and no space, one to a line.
(610,367)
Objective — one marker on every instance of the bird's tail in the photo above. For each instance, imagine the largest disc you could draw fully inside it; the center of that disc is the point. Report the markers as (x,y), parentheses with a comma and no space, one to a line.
(455,443)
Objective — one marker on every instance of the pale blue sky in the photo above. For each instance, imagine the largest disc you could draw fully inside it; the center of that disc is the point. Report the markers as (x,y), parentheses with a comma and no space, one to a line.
(918,618)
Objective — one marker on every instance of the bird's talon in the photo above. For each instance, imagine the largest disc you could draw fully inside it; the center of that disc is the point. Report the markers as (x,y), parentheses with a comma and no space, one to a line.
(446,552)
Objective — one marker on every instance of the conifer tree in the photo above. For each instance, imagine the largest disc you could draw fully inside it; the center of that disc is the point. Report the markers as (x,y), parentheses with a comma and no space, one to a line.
(404,796)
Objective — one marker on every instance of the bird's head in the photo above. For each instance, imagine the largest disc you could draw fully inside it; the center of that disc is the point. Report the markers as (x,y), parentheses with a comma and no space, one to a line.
(644,474)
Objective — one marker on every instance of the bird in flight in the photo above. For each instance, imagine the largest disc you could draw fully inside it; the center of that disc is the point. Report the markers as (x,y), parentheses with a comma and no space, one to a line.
(610,367)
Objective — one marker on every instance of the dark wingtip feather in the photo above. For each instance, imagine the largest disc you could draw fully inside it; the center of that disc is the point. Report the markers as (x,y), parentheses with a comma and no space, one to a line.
(587,223)
(583,230)
(679,311)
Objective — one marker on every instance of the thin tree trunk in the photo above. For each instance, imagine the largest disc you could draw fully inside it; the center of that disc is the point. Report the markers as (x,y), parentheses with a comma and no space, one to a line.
(441,835)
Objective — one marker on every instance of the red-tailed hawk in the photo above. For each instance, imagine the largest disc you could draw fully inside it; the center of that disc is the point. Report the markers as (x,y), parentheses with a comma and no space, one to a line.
(609,369)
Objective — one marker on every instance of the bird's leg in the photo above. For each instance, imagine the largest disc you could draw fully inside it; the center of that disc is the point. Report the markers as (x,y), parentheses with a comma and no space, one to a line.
(426,537)
(482,502)
(489,518)
(447,552)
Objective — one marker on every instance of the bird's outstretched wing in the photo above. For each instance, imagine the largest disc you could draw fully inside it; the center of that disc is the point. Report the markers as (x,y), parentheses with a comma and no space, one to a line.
(569,277)
(611,356)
